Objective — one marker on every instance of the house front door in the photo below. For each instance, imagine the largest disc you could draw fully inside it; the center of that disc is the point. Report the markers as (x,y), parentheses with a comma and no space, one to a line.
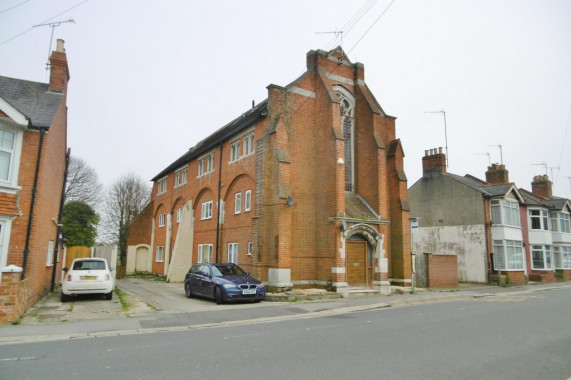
(357,264)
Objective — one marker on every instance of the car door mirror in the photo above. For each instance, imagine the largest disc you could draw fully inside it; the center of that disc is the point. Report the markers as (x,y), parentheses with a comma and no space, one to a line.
(65,269)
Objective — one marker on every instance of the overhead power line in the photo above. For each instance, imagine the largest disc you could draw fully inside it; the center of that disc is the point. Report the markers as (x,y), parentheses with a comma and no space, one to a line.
(12,7)
(43,22)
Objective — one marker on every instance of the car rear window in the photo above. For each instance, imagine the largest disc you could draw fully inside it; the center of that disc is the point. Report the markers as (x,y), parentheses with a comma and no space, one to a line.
(89,265)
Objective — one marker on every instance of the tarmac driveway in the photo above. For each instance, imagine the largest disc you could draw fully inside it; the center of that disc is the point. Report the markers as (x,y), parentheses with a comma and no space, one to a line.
(142,297)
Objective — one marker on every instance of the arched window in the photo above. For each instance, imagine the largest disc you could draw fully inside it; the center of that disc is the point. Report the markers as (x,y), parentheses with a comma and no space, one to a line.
(347,106)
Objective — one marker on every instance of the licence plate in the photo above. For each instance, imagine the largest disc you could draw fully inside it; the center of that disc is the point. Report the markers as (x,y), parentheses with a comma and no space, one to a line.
(249,291)
(89,278)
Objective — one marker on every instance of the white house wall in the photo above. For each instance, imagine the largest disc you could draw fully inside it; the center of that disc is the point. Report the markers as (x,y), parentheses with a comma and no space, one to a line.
(468,242)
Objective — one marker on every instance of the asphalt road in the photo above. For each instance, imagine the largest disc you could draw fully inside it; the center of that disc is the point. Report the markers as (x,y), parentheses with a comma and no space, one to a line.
(523,336)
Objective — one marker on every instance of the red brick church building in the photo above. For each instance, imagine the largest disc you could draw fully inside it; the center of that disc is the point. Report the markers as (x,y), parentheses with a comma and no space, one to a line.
(306,189)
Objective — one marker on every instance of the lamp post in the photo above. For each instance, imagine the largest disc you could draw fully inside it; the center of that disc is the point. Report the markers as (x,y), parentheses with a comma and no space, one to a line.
(413,227)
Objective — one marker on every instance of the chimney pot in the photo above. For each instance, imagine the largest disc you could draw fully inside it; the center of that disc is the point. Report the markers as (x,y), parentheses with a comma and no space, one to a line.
(60,45)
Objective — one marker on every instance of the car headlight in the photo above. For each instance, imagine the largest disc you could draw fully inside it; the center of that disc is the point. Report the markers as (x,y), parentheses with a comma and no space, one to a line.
(260,286)
(229,286)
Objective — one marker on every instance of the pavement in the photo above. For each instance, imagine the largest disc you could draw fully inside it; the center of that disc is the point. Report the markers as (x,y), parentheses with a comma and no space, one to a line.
(142,306)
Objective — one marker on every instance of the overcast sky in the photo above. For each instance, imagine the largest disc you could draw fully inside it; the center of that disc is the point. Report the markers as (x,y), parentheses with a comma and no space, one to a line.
(150,79)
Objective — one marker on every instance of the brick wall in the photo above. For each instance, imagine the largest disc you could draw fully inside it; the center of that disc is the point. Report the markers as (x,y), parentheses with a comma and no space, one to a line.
(12,295)
(442,270)
(298,144)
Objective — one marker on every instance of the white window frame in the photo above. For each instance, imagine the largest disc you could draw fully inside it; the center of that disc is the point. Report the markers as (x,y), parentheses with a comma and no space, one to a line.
(160,254)
(179,215)
(560,222)
(206,164)
(248,200)
(541,216)
(233,253)
(249,248)
(162,186)
(50,256)
(507,211)
(10,185)
(5,228)
(206,210)
(235,150)
(562,256)
(238,203)
(180,177)
(546,256)
(161,220)
(510,254)
(248,144)
(204,250)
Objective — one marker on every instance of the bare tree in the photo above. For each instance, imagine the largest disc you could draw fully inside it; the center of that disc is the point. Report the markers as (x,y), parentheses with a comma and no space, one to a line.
(126,197)
(83,184)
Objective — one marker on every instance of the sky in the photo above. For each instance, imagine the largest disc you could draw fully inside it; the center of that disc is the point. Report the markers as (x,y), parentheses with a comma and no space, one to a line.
(150,79)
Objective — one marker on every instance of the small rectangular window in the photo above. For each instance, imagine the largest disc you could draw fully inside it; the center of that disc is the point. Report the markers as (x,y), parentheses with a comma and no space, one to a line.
(234,150)
(50,257)
(161,220)
(238,203)
(180,177)
(249,248)
(247,200)
(162,186)
(249,144)
(206,210)
(233,253)
(206,164)
(205,253)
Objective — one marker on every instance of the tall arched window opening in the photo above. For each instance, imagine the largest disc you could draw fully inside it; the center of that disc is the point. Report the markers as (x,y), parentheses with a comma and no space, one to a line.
(347,105)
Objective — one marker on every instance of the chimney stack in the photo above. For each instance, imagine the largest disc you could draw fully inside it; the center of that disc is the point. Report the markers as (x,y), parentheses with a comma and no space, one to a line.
(497,174)
(59,71)
(541,186)
(433,160)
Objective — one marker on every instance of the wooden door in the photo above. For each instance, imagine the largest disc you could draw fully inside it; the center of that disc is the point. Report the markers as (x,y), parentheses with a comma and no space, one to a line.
(356,263)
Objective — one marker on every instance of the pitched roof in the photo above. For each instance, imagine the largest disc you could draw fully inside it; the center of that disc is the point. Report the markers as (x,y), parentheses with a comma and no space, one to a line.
(357,208)
(237,125)
(32,99)
(485,188)
(555,203)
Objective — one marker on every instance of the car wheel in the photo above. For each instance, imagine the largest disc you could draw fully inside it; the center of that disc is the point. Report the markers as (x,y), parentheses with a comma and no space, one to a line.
(64,298)
(187,290)
(218,296)
(109,295)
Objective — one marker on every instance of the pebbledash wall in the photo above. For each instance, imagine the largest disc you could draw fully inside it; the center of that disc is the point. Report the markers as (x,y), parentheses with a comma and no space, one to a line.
(28,274)
(305,189)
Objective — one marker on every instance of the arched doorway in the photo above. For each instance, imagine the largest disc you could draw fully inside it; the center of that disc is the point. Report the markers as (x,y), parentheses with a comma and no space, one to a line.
(363,244)
(360,270)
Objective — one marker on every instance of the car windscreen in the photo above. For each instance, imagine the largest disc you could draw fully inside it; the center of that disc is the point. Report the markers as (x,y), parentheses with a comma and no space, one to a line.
(89,265)
(227,270)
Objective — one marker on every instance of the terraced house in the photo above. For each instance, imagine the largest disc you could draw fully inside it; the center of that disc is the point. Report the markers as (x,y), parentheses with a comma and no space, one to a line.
(33,149)
(487,230)
(305,189)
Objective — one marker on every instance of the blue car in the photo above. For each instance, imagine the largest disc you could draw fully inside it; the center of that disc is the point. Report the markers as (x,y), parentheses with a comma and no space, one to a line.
(225,282)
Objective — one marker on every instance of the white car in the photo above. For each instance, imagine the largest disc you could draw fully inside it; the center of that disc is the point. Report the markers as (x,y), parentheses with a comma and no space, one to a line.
(87,276)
